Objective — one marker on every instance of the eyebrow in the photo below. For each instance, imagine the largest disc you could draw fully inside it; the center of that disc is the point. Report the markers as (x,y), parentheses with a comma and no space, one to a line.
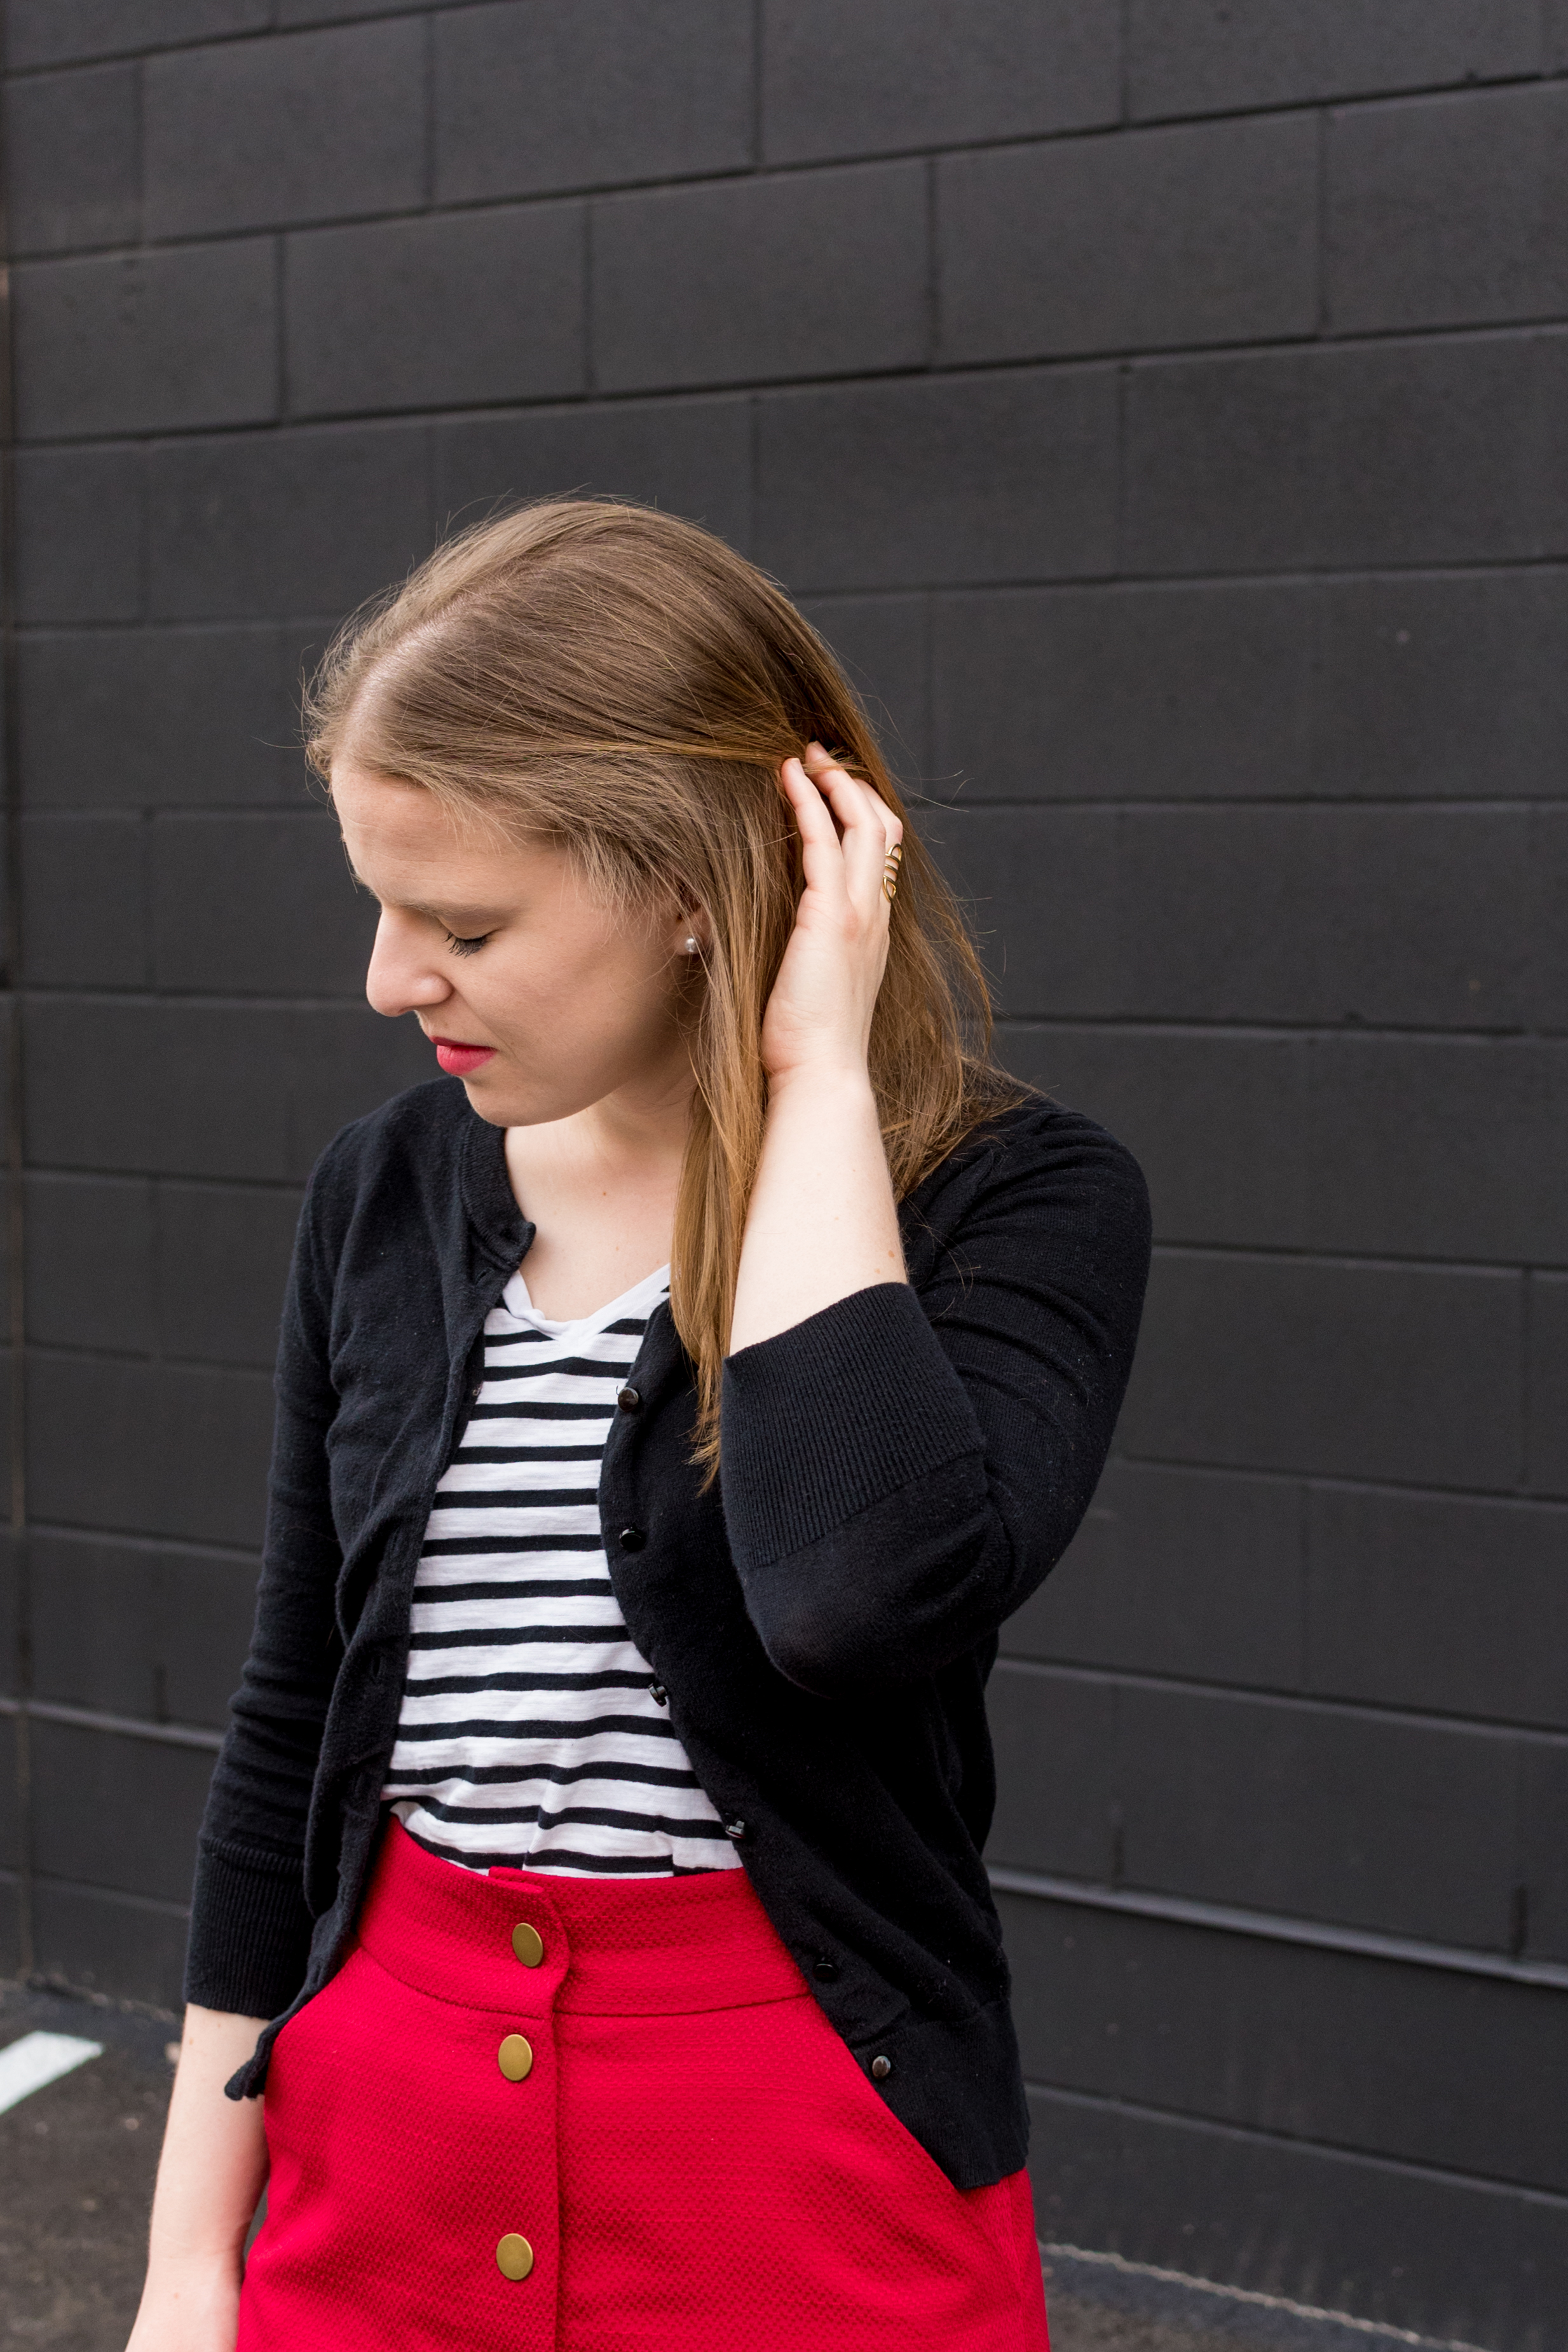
(446,915)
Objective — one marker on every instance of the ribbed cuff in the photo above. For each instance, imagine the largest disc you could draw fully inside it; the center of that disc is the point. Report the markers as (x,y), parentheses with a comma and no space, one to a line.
(250,1931)
(828,1417)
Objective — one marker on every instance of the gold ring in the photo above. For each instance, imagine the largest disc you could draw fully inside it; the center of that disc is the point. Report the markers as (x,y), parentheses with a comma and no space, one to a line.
(890,887)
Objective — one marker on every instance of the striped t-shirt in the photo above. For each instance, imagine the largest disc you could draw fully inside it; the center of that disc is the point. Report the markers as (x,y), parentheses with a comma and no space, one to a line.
(530,1732)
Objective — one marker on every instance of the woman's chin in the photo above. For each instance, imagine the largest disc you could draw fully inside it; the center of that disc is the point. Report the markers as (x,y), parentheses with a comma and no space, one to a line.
(496,1095)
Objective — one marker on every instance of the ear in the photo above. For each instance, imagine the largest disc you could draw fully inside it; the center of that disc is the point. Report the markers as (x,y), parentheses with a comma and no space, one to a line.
(692,929)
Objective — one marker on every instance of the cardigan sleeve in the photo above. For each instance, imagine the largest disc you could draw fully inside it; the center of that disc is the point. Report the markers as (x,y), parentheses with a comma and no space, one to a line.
(901,1470)
(250,1924)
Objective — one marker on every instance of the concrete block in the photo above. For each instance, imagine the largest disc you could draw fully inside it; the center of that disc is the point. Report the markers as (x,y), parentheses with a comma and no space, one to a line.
(1135,241)
(1546,1377)
(1320,1812)
(1190,57)
(880,643)
(1219,1123)
(804,274)
(530,96)
(111,1083)
(1327,2227)
(81,522)
(1544,1827)
(135,719)
(1055,1739)
(261,903)
(147,343)
(1441,1603)
(1300,2045)
(220,1261)
(1442,1147)
(54,32)
(10,1622)
(1444,212)
(1542,911)
(287,15)
(1399,1374)
(1108,692)
(691,457)
(72,176)
(304,524)
(1405,918)
(952,480)
(890,74)
(177,1450)
(443,312)
(1040,888)
(1434,451)
(1310,914)
(1194,1573)
(114,1813)
(89,1263)
(84,901)
(126,1945)
(1443,686)
(305,127)
(10,1841)
(154,1631)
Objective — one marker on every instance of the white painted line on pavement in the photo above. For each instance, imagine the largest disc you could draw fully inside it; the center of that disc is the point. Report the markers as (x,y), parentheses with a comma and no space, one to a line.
(37,2059)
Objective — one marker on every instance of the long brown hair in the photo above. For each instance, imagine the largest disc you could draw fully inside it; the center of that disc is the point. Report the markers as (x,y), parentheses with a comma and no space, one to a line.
(621,683)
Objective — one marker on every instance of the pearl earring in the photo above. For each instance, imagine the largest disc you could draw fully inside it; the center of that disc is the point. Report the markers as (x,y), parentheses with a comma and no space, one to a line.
(690,946)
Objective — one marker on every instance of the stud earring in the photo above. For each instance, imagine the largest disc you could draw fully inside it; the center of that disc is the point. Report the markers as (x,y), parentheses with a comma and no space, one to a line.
(690,946)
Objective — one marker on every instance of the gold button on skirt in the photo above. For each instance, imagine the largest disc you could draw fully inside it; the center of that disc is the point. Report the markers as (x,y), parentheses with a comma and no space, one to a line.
(513,2256)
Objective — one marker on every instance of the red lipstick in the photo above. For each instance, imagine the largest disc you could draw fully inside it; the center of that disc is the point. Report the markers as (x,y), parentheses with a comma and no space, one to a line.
(460,1061)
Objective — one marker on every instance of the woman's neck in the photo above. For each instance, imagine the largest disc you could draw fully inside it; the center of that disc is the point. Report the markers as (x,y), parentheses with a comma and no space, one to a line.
(600,1189)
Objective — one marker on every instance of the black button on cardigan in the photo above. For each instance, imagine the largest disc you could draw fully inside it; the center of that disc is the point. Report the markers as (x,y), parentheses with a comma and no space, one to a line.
(897,1474)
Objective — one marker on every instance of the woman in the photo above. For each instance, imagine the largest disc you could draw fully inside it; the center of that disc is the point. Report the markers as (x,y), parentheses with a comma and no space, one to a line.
(669,1414)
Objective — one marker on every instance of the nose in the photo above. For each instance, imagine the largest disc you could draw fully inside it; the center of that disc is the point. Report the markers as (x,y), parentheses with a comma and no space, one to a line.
(403,974)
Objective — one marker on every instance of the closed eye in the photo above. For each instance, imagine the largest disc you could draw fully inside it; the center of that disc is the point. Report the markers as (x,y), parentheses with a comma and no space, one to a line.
(467,947)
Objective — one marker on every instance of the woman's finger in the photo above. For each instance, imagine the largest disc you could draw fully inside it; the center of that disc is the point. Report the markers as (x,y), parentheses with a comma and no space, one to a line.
(821,849)
(872,835)
(851,796)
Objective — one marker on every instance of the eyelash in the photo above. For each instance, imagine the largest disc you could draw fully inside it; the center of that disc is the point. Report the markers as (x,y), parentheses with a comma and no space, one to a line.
(467,947)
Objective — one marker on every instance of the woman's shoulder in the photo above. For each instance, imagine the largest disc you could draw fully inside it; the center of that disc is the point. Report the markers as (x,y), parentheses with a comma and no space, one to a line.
(1031,1135)
(1034,1158)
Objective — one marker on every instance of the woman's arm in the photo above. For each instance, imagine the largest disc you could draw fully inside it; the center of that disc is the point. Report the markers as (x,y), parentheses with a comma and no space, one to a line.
(900,1473)
(210,2179)
(250,1923)
(822,1221)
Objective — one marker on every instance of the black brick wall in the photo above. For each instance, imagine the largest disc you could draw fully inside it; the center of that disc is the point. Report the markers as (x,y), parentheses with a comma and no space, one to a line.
(1164,408)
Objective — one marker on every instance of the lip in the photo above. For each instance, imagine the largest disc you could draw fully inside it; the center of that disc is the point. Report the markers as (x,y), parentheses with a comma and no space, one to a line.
(460,1061)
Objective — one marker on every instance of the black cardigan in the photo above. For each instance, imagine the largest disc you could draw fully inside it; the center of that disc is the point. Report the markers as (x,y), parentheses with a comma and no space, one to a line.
(897,1474)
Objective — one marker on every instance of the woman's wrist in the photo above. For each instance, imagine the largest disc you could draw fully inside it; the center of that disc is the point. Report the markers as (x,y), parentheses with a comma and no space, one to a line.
(191,2269)
(846,1082)
(822,1222)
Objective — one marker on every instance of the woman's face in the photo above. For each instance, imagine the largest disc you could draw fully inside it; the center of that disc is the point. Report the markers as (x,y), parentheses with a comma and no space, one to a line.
(540,1000)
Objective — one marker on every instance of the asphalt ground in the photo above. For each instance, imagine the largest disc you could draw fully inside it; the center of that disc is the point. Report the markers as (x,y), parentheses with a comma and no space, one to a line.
(77,2160)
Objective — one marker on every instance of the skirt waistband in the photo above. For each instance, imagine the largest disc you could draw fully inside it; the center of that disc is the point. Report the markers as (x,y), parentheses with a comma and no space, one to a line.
(541,1940)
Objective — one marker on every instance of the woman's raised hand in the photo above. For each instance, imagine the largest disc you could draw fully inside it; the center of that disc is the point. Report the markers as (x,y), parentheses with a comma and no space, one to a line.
(819,1015)
(822,1222)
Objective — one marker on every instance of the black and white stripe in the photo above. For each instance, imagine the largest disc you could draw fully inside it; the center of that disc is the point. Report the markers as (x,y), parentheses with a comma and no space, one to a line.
(529,1731)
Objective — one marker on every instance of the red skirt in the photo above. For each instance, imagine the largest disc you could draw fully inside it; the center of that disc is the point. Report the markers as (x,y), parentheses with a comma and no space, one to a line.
(581,2114)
